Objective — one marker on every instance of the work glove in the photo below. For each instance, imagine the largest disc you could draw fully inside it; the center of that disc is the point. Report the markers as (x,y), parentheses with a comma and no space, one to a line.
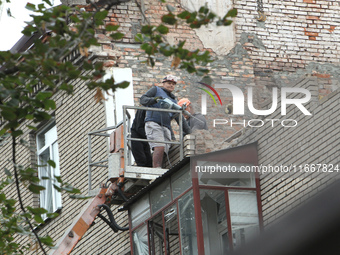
(158,98)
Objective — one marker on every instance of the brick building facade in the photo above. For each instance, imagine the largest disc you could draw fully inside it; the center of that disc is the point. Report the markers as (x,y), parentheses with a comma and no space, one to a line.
(296,46)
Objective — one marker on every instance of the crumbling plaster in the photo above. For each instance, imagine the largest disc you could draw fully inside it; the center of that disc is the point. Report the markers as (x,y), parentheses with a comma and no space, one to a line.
(220,39)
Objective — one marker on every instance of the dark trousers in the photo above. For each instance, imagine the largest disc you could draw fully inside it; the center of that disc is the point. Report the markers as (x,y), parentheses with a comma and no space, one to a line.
(141,151)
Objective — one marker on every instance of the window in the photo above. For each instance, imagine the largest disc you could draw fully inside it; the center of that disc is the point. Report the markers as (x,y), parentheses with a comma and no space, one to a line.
(214,221)
(211,206)
(47,148)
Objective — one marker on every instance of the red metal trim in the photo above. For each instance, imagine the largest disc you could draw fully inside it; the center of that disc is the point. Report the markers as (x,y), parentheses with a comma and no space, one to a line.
(147,230)
(259,201)
(230,231)
(198,217)
(242,154)
(164,235)
(163,208)
(226,188)
(151,235)
(179,230)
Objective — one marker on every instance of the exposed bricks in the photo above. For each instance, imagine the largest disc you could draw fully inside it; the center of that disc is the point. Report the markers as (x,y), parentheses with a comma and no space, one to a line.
(313,18)
(303,29)
(322,75)
(331,29)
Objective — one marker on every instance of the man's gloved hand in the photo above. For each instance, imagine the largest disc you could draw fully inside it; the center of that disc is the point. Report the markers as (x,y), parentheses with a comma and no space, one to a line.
(158,98)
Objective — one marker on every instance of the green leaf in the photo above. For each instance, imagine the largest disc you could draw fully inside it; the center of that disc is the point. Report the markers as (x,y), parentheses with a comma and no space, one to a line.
(163,29)
(231,13)
(52,215)
(38,219)
(51,163)
(227,22)
(47,241)
(43,95)
(123,84)
(2,197)
(16,133)
(38,210)
(48,2)
(147,29)
(184,15)
(35,188)
(70,189)
(111,27)
(203,9)
(8,114)
(144,46)
(30,7)
(75,18)
(139,38)
(58,178)
(2,131)
(117,36)
(57,188)
(101,15)
(40,116)
(169,19)
(7,172)
(11,202)
(49,104)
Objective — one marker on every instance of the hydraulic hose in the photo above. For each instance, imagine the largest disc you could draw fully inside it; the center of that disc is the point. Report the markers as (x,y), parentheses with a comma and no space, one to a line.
(111,222)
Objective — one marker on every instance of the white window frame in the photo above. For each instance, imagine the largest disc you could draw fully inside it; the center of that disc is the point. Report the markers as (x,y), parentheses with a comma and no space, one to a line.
(115,100)
(50,147)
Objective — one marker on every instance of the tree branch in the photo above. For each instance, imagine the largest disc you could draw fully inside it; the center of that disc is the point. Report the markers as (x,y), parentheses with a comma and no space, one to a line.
(18,191)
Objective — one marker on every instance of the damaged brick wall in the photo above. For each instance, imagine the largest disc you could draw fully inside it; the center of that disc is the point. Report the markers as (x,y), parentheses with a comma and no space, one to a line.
(264,54)
(294,33)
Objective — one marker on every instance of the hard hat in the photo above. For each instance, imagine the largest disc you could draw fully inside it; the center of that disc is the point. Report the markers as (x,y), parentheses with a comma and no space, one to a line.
(184,101)
(170,77)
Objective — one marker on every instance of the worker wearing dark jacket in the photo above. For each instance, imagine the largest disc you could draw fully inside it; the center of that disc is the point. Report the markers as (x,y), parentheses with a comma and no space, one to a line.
(196,120)
(140,150)
(158,124)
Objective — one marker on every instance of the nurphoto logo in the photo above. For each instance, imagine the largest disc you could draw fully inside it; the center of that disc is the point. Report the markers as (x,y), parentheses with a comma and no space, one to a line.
(239,105)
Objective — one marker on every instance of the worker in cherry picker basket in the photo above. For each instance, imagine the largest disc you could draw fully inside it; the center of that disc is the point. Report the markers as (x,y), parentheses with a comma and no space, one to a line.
(158,124)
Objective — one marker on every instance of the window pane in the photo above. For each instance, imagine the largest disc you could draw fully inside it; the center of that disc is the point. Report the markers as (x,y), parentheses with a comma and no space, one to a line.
(47,146)
(244,216)
(156,235)
(214,221)
(160,196)
(56,172)
(225,174)
(187,224)
(46,196)
(181,181)
(171,230)
(140,241)
(140,211)
(47,137)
